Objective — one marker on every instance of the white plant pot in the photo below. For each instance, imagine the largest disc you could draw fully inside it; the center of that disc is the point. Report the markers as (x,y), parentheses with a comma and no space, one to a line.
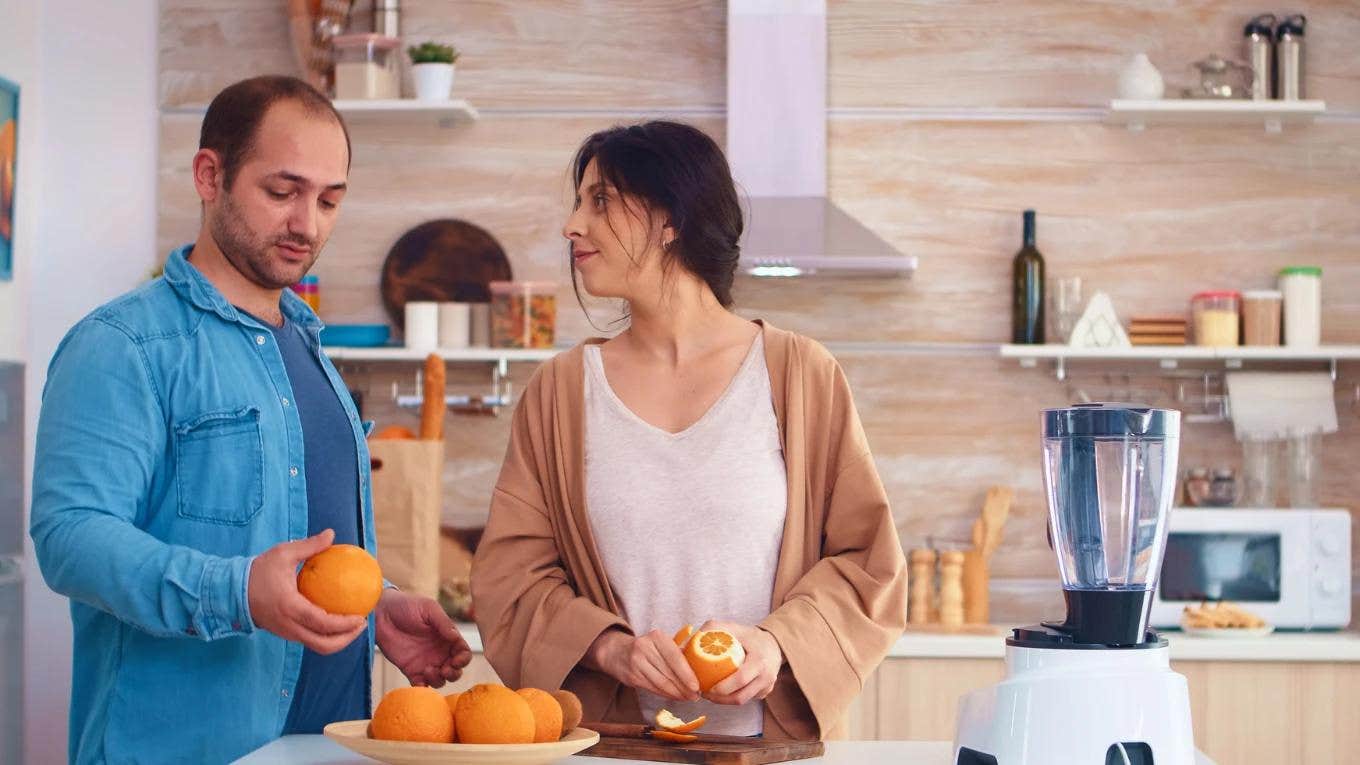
(433,82)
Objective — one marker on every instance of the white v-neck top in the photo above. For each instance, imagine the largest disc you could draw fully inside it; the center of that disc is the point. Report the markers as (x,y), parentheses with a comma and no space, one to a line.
(689,524)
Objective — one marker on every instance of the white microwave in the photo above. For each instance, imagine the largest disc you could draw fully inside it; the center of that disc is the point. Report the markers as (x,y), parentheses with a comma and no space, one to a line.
(1290,567)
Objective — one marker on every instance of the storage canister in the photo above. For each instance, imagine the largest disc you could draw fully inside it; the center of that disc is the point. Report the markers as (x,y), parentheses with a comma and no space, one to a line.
(367,66)
(1261,317)
(1302,288)
(1215,316)
(523,314)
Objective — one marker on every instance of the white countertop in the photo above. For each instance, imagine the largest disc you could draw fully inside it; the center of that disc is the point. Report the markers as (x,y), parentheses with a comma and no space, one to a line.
(1278,646)
(319,750)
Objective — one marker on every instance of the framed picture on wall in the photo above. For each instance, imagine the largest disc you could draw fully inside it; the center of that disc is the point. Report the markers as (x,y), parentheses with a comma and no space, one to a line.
(9,144)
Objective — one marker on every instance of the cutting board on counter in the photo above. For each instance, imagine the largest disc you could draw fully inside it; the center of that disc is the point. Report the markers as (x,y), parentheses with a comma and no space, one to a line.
(709,752)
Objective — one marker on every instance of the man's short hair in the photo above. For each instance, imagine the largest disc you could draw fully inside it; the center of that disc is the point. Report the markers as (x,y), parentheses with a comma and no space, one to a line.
(234,116)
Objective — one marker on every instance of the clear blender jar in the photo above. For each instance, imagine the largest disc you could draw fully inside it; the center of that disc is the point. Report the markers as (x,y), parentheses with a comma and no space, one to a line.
(1110,477)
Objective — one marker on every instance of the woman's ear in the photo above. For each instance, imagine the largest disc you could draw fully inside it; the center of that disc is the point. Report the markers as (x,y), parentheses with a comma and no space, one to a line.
(668,236)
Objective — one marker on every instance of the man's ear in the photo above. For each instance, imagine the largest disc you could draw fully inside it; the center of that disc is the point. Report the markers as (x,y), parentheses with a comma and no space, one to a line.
(208,174)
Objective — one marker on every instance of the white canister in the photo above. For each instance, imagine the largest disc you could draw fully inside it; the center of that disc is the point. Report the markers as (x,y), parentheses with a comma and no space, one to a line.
(481,325)
(422,325)
(1302,288)
(455,324)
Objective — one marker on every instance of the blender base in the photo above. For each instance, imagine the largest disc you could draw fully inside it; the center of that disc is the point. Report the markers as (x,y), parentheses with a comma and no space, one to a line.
(1079,707)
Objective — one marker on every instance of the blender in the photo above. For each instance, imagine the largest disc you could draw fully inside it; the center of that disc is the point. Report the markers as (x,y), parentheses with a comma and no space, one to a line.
(1096,688)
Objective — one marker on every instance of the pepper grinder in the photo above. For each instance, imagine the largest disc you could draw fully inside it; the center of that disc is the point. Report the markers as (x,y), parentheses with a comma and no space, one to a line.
(951,588)
(922,584)
(1260,34)
(1289,39)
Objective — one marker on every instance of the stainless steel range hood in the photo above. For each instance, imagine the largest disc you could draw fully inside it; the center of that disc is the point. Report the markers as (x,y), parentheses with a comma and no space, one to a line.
(776,144)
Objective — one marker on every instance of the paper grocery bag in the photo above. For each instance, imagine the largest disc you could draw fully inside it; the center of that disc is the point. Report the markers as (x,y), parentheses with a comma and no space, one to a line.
(407,498)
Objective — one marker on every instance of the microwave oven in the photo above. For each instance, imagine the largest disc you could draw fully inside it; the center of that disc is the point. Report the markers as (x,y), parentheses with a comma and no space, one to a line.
(1291,567)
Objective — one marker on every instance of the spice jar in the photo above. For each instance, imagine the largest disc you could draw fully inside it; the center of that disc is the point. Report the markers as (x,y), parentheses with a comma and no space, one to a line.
(1223,488)
(523,314)
(1215,316)
(1197,486)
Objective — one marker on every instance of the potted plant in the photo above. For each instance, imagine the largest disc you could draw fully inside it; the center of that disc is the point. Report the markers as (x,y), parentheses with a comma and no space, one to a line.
(432,70)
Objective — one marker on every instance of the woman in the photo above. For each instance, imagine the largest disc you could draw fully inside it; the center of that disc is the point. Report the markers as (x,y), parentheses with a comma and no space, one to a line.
(698,466)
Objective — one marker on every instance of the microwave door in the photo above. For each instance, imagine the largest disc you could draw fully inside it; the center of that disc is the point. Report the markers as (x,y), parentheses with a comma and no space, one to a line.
(1243,567)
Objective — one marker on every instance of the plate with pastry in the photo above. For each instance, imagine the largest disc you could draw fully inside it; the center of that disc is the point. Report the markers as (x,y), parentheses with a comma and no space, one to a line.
(1223,619)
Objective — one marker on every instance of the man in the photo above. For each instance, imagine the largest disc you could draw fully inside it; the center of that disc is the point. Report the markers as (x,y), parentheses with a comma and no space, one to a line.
(195,446)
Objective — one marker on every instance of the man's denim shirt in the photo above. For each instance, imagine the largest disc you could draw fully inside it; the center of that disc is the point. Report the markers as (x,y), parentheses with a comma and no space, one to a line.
(169,455)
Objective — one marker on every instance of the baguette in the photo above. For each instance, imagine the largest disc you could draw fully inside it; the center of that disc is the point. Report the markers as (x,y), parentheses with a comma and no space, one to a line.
(432,405)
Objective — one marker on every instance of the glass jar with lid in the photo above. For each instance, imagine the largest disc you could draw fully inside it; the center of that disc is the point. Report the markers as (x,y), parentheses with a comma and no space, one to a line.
(367,66)
(1215,317)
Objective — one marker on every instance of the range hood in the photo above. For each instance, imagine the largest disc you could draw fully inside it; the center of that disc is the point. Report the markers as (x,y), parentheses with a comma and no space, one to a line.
(776,145)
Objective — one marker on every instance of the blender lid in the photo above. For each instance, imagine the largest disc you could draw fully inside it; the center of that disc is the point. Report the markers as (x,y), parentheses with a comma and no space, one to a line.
(1111,420)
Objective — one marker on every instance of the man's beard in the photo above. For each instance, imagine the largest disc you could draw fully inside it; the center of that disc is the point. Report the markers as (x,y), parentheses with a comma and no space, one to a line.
(250,255)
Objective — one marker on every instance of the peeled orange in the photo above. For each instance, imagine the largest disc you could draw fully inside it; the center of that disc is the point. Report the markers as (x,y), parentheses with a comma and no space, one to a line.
(342,579)
(713,655)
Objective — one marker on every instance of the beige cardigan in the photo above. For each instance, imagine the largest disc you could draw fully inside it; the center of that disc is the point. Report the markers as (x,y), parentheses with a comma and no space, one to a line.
(840,589)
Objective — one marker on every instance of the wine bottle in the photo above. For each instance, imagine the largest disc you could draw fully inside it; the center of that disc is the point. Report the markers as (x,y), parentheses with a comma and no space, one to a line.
(1027,309)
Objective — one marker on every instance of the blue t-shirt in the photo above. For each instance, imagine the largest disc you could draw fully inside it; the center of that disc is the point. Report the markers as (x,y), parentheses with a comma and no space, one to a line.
(329,688)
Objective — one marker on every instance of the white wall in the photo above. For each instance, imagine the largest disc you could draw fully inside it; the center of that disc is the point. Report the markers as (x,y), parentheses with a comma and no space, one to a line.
(94,239)
(19,64)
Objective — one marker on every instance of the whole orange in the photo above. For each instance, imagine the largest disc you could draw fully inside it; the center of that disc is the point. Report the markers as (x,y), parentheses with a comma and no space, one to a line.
(413,714)
(488,713)
(342,579)
(713,655)
(547,714)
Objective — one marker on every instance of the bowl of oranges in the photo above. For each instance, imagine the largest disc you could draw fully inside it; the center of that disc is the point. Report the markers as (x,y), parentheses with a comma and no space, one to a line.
(488,724)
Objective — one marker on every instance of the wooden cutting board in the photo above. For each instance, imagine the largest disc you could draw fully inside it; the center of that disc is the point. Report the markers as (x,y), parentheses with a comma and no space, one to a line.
(753,752)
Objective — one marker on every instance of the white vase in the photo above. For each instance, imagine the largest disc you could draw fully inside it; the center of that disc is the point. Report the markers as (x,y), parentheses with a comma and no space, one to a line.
(1140,80)
(433,82)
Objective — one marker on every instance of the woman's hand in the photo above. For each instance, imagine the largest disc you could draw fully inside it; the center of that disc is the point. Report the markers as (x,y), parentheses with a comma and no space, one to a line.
(650,663)
(756,676)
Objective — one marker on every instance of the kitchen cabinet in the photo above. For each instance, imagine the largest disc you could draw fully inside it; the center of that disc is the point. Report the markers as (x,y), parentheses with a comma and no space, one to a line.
(1243,711)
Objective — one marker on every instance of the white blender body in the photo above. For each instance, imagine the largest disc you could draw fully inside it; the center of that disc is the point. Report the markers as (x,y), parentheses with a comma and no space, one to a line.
(1097,688)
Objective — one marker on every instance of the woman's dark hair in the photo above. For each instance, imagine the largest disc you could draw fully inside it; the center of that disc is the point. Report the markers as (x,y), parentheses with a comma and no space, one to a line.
(675,169)
(234,116)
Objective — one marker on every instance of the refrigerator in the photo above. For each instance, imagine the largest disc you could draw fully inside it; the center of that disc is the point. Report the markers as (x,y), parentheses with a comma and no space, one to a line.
(11,557)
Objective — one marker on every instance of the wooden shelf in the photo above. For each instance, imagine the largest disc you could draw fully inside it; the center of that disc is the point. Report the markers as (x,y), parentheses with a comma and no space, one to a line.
(446,113)
(402,354)
(1272,114)
(1171,356)
(1184,352)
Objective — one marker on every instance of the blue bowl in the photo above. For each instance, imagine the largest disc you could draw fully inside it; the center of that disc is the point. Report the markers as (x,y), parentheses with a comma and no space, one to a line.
(356,335)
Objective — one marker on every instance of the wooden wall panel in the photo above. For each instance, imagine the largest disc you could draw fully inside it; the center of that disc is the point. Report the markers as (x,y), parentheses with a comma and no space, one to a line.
(1149,217)
(975,53)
